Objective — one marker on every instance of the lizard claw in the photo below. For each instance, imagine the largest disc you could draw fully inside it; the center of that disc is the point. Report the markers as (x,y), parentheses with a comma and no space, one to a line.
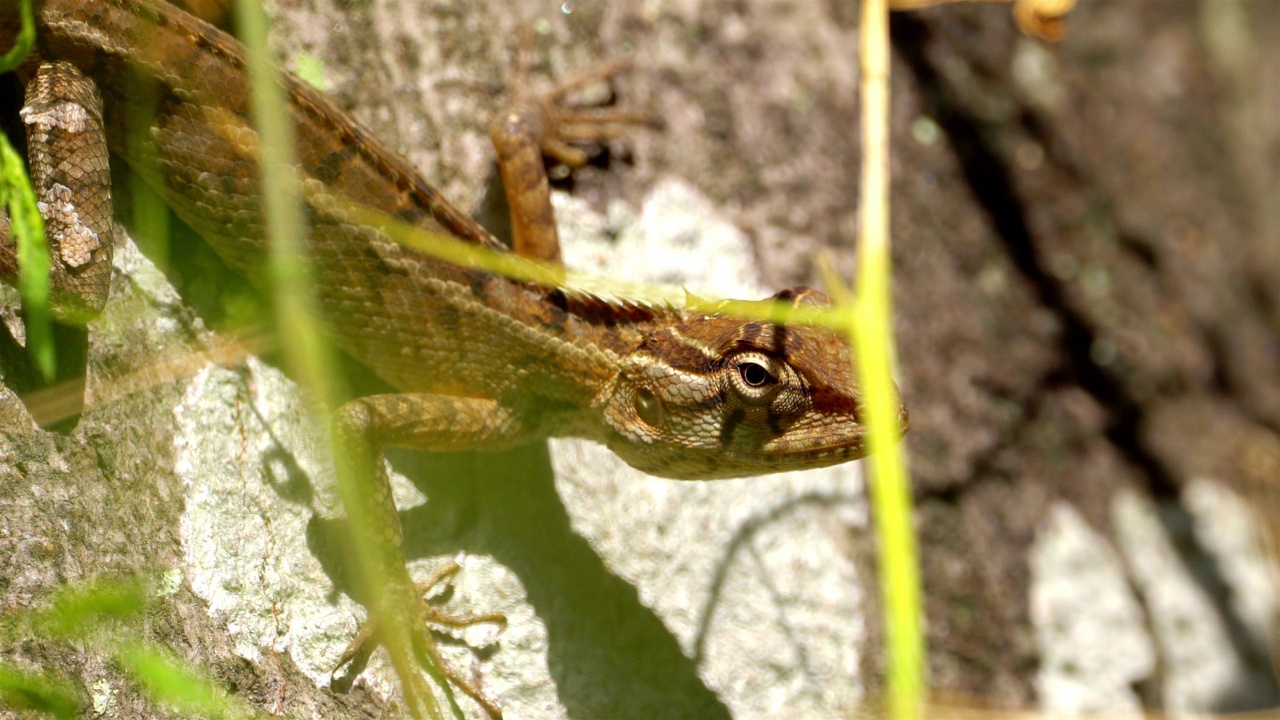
(567,126)
(535,126)
(425,617)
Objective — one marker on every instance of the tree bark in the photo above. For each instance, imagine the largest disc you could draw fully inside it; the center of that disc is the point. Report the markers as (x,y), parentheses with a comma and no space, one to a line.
(1087,289)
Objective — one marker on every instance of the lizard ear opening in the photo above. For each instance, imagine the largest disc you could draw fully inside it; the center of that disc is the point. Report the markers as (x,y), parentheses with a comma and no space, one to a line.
(648,407)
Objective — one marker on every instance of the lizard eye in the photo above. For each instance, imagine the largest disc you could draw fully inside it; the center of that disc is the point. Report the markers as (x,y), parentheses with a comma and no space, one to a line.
(754,378)
(754,374)
(648,407)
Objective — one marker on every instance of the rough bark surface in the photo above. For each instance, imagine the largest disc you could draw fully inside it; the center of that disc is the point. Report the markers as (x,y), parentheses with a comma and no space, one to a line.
(1087,289)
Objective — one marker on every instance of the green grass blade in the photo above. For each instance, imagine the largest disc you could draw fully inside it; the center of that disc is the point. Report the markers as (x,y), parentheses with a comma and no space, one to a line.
(872,330)
(27,228)
(308,352)
(25,41)
(26,225)
(78,611)
(21,690)
(168,680)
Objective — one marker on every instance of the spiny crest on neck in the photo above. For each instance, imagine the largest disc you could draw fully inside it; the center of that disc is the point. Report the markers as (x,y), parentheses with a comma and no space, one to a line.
(600,308)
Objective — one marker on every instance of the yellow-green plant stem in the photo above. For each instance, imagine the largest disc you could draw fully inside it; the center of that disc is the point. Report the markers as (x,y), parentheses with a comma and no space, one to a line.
(872,330)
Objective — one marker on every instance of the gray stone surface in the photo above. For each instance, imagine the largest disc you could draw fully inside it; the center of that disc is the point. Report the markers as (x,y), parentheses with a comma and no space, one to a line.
(753,578)
(1085,282)
(1093,641)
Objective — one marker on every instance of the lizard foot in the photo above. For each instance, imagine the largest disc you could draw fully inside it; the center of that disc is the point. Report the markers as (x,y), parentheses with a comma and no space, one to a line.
(573,125)
(427,616)
(535,126)
(566,125)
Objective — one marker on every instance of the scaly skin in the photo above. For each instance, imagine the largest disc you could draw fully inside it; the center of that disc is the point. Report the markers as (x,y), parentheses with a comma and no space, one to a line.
(481,361)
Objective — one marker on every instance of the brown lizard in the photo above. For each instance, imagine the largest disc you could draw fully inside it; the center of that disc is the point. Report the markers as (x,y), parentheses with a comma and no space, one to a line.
(482,362)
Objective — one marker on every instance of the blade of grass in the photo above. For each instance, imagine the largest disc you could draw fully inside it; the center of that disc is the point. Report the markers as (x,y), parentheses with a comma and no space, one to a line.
(169,680)
(77,611)
(310,356)
(27,228)
(25,41)
(22,690)
(101,616)
(872,330)
(26,225)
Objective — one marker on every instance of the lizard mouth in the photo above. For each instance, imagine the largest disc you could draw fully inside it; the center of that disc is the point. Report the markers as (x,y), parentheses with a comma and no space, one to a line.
(723,465)
(779,455)
(847,444)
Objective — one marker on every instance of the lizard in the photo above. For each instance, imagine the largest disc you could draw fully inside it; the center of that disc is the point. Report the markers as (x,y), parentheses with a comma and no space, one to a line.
(480,361)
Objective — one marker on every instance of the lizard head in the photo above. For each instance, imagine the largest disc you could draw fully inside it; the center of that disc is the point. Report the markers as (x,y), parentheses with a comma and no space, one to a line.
(718,397)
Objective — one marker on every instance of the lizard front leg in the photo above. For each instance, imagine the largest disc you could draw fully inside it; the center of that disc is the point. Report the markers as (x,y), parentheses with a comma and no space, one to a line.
(362,427)
(530,127)
(534,126)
